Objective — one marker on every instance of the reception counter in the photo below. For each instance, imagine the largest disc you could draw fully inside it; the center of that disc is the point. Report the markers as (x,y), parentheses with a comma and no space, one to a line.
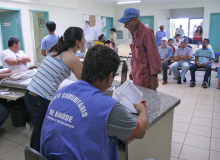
(157,141)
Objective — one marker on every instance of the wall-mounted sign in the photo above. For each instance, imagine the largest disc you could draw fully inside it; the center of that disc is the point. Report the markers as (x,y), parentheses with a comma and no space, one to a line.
(6,24)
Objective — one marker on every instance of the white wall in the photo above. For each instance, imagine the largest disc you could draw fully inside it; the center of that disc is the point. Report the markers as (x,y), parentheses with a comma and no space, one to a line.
(63,17)
(187,13)
(165,14)
(147,9)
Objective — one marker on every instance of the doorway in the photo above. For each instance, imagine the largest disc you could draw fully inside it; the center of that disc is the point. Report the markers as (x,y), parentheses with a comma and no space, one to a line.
(175,24)
(109,25)
(39,31)
(11,26)
(214,31)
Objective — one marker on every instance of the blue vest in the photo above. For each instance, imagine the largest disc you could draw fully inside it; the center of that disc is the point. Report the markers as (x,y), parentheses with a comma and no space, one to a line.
(75,126)
(159,36)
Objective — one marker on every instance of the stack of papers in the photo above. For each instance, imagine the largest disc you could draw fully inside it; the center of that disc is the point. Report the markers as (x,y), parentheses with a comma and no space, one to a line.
(128,94)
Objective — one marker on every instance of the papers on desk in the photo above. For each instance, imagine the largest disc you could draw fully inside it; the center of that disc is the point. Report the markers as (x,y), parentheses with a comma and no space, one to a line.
(26,81)
(128,94)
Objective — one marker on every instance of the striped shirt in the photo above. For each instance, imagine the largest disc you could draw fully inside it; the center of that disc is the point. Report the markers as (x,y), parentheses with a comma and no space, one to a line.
(146,60)
(204,55)
(49,76)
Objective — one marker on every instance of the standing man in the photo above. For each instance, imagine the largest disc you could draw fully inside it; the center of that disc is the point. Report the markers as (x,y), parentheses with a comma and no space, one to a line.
(166,52)
(145,61)
(13,57)
(180,31)
(182,58)
(50,40)
(203,59)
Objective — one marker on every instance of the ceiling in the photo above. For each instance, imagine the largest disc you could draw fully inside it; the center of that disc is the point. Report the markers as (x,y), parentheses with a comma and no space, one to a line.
(113,2)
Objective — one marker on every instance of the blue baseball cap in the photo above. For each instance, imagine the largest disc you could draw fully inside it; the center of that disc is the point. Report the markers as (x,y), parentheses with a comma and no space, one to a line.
(185,40)
(128,14)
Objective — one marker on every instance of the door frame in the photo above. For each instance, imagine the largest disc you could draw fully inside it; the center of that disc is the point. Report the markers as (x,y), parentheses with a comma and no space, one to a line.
(22,31)
(189,23)
(1,36)
(46,16)
(150,16)
(218,13)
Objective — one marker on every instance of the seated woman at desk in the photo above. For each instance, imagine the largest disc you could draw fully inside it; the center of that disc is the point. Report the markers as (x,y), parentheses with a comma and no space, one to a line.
(89,116)
(3,102)
(113,46)
(56,67)
(101,40)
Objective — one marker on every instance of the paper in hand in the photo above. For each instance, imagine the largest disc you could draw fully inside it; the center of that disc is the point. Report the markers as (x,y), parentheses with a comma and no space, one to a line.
(128,94)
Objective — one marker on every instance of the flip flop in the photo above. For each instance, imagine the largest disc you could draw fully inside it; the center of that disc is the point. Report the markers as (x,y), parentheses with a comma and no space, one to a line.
(192,85)
(204,85)
(217,88)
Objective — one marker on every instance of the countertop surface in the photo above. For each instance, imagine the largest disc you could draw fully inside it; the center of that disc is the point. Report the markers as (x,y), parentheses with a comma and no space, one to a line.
(158,104)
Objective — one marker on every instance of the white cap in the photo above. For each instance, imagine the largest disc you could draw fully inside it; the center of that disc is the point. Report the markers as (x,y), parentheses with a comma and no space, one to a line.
(164,39)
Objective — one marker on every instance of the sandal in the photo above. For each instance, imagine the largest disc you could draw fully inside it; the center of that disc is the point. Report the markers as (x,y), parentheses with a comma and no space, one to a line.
(204,85)
(192,85)
(218,88)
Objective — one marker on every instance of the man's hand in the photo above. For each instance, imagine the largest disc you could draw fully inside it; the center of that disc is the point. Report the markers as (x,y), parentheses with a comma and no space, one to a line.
(198,64)
(7,71)
(130,76)
(139,108)
(23,62)
(179,56)
(19,61)
(203,65)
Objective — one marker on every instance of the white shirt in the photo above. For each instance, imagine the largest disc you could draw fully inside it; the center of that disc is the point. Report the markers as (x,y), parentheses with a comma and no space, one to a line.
(114,37)
(181,32)
(10,54)
(175,43)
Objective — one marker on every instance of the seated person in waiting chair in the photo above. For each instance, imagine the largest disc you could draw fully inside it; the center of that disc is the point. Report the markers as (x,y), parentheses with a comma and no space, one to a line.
(13,57)
(217,69)
(203,59)
(92,121)
(182,59)
(166,52)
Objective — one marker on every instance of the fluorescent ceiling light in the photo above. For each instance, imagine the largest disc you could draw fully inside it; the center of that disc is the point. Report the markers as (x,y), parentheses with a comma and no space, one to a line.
(128,2)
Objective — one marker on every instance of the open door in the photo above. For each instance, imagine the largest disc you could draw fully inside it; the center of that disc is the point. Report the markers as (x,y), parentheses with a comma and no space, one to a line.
(39,31)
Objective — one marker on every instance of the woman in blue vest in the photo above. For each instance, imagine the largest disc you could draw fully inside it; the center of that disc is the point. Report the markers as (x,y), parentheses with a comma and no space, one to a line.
(57,66)
(159,35)
(81,122)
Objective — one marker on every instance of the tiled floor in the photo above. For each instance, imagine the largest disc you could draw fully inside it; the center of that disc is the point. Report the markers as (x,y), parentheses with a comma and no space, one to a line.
(196,127)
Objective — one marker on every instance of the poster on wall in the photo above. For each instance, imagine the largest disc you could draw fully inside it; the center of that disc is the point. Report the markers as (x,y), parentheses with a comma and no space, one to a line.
(103,25)
(91,27)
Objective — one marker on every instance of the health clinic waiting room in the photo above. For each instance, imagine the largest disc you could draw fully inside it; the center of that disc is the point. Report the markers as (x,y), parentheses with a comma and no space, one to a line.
(109,79)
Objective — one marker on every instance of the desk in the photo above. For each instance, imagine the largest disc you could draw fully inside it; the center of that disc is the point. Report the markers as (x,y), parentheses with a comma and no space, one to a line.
(14,86)
(158,139)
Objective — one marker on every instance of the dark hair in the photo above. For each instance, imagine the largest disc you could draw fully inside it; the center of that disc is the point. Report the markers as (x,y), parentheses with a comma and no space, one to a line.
(100,37)
(113,43)
(99,62)
(170,40)
(113,29)
(161,27)
(200,32)
(107,42)
(51,26)
(206,40)
(68,40)
(181,26)
(13,40)
(87,21)
(178,35)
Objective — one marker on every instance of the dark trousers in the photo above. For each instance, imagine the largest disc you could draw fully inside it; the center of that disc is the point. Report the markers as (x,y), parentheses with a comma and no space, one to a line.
(37,107)
(164,69)
(193,69)
(4,111)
